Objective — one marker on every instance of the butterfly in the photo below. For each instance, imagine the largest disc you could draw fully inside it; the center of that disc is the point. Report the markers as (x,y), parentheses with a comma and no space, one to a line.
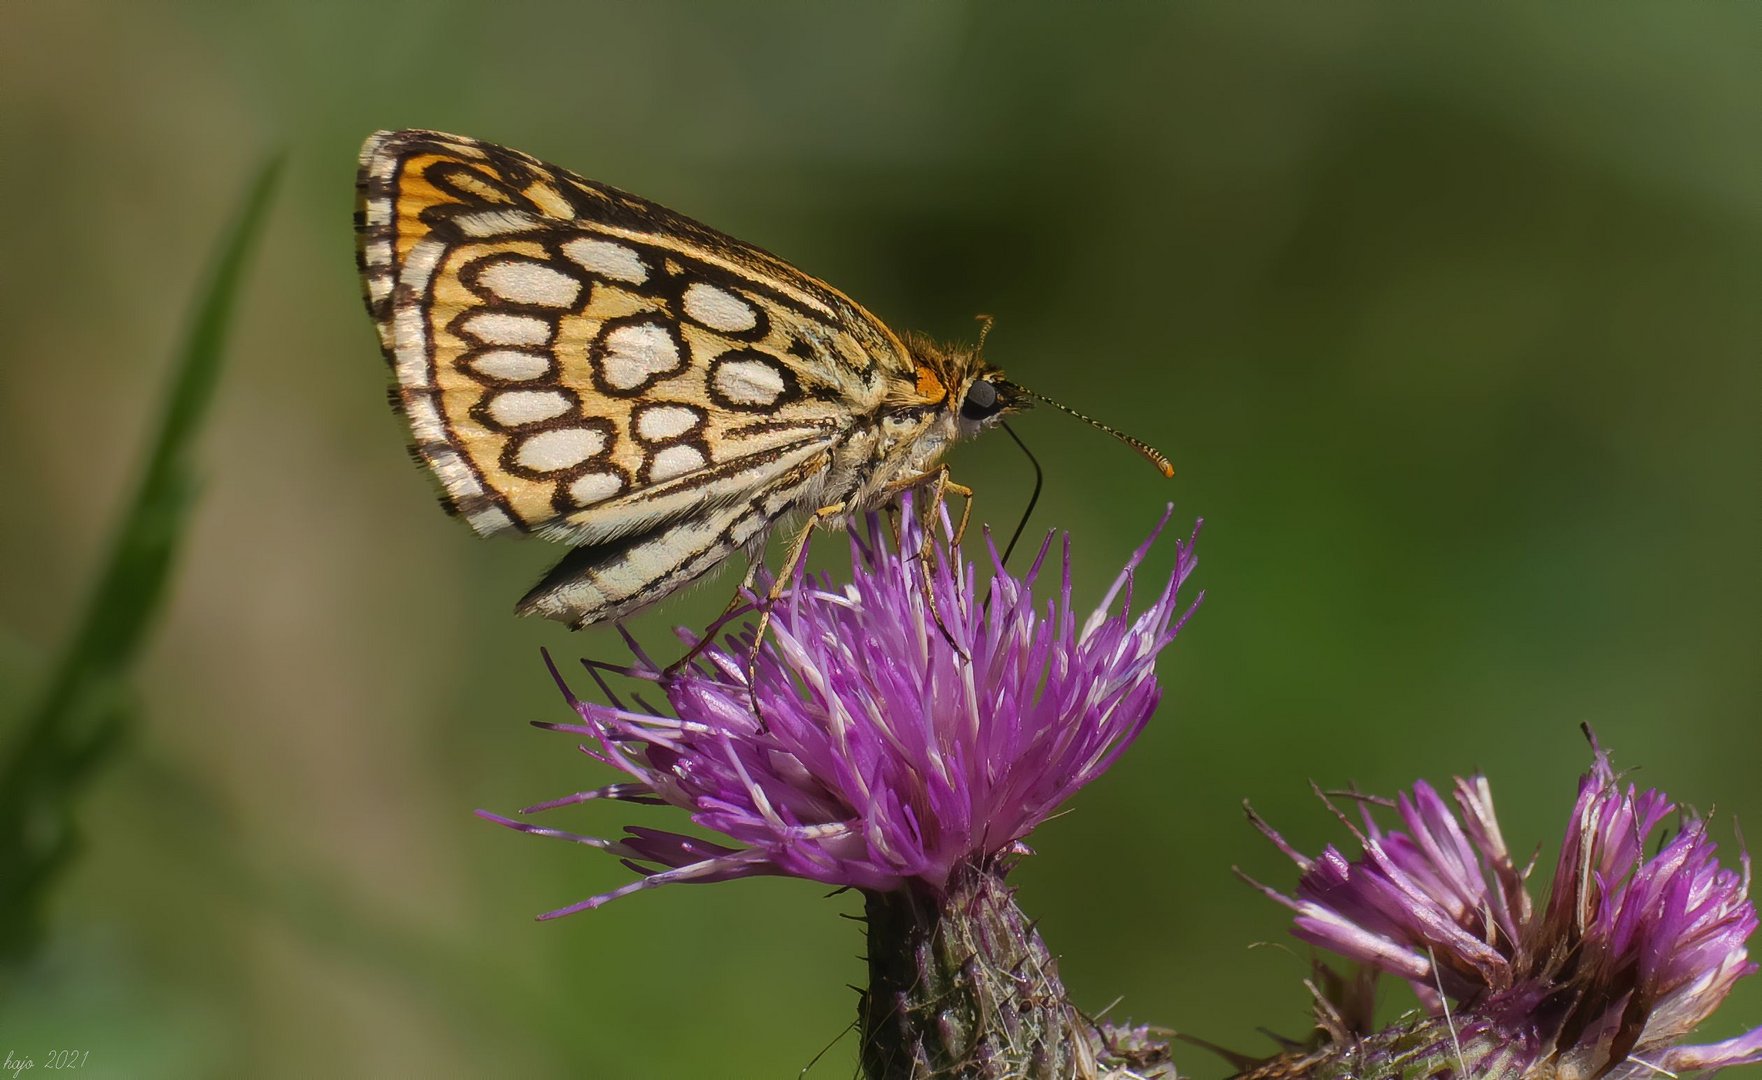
(585,366)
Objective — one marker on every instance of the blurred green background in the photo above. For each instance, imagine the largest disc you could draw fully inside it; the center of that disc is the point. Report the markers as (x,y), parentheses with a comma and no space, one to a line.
(1447,316)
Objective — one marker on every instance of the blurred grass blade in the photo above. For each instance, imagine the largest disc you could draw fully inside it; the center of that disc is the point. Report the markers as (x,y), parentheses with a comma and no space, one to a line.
(84,706)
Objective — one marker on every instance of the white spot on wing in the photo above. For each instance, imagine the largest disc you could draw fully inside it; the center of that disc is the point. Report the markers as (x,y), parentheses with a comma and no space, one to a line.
(593,487)
(409,334)
(490,520)
(749,382)
(718,309)
(636,353)
(425,418)
(455,476)
(559,448)
(511,408)
(501,328)
(674,461)
(526,281)
(607,259)
(492,223)
(658,423)
(409,330)
(511,364)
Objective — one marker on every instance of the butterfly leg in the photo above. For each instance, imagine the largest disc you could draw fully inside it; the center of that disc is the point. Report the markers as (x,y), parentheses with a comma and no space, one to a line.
(941,487)
(798,549)
(734,603)
(946,487)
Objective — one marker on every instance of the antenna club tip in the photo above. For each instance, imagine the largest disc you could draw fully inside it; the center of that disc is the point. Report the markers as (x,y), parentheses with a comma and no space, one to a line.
(1156,458)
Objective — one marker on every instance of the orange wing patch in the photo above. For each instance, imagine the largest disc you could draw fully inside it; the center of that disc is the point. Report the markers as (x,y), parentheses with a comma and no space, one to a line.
(930,386)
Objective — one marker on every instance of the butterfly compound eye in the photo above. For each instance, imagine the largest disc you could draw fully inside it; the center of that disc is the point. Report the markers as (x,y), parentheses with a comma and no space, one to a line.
(982,400)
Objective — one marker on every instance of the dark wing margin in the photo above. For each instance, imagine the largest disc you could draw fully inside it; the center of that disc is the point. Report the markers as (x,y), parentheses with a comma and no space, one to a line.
(464,184)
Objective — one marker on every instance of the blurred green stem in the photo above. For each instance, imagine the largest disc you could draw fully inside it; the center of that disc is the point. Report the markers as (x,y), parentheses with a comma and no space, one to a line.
(84,707)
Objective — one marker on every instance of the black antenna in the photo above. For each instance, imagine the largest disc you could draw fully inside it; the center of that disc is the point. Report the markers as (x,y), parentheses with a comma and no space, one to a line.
(1150,453)
(1039,478)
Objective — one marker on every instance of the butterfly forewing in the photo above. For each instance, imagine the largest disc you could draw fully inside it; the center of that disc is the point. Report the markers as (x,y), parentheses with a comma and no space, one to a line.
(583,364)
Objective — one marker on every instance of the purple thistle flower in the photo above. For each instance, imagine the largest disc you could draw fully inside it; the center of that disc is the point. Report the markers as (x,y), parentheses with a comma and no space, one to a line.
(894,745)
(1627,957)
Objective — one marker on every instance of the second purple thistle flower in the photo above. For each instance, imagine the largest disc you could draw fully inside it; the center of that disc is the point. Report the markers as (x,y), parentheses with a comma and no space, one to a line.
(893,745)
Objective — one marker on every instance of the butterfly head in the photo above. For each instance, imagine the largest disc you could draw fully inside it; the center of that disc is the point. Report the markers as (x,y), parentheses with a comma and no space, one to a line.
(970,393)
(986,399)
(982,397)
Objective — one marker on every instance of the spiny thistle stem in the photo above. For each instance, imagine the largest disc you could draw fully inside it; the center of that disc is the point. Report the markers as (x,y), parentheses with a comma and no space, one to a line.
(962,985)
